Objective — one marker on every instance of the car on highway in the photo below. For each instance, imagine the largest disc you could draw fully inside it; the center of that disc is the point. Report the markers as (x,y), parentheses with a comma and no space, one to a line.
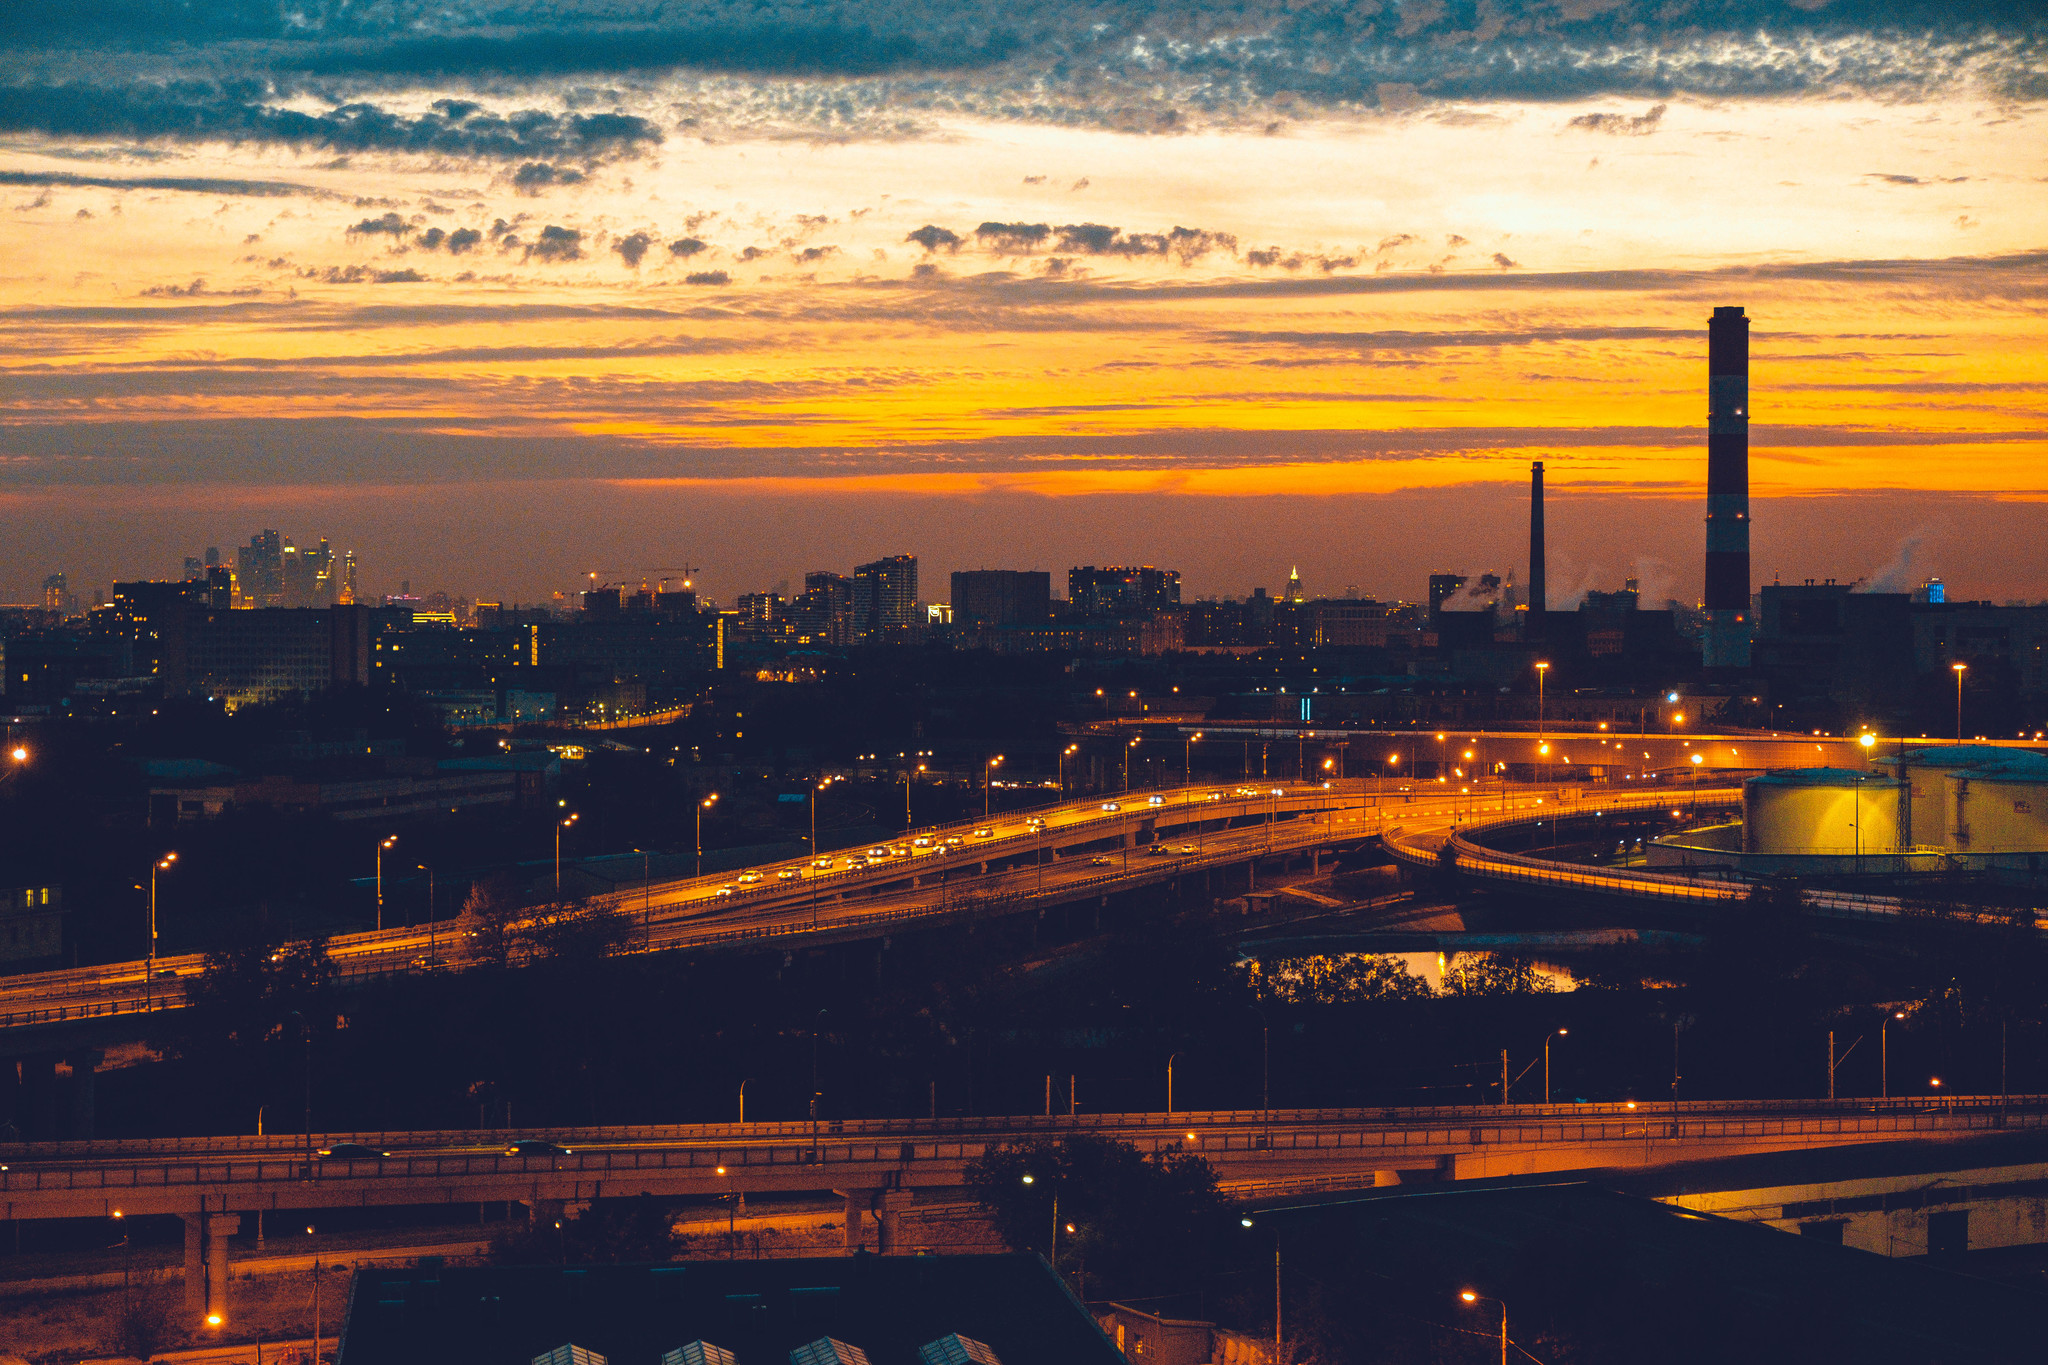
(822,864)
(1035,822)
(921,841)
(788,873)
(953,841)
(724,891)
(1156,850)
(899,851)
(748,878)
(430,963)
(878,852)
(1187,848)
(1155,800)
(1099,860)
(1214,796)
(985,832)
(856,862)
(1111,806)
(536,1147)
(351,1151)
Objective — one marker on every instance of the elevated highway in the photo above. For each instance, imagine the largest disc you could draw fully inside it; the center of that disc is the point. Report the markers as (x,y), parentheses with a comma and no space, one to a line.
(241,1174)
(1472,858)
(1015,860)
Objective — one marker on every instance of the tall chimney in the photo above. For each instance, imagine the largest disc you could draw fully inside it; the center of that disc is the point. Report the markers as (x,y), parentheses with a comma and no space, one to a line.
(1727,595)
(1537,602)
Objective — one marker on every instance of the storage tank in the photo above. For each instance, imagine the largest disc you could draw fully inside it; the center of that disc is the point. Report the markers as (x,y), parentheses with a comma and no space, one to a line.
(1930,810)
(1999,808)
(1822,810)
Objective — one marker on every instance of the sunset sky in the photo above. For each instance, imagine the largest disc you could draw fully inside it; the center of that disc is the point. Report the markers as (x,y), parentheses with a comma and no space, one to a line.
(500,295)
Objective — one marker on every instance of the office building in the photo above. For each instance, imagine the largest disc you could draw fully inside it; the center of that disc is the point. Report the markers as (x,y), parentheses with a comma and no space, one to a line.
(1119,591)
(1001,597)
(885,600)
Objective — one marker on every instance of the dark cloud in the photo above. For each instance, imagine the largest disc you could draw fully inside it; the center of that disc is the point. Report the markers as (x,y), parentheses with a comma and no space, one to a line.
(556,244)
(685,247)
(390,225)
(1500,258)
(810,255)
(1184,244)
(239,112)
(536,176)
(360,274)
(632,249)
(708,277)
(1621,125)
(934,238)
(1012,238)
(462,239)
(184,184)
(195,290)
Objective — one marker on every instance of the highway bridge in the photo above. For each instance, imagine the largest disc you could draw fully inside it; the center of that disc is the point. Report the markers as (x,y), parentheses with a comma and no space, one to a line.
(1015,860)
(1473,858)
(880,1166)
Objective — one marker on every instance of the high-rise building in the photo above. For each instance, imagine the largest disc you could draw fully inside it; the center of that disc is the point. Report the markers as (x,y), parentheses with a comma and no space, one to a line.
(823,615)
(56,593)
(1117,590)
(195,570)
(1727,640)
(1002,597)
(1295,592)
(884,599)
(348,579)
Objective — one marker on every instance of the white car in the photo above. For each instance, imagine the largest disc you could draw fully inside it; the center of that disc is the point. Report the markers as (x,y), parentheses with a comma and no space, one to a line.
(788,873)
(723,892)
(748,878)
(1111,806)
(985,832)
(1155,800)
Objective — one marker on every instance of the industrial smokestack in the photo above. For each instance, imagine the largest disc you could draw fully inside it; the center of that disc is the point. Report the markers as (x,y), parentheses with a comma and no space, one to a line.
(1537,602)
(1727,595)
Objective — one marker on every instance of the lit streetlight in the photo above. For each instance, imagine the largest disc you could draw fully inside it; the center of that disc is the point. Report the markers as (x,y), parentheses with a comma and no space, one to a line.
(1030,1180)
(1127,763)
(163,864)
(988,768)
(1884,1054)
(1558,1033)
(1541,670)
(706,804)
(561,825)
(1470,1297)
(1187,760)
(1960,669)
(1066,754)
(381,847)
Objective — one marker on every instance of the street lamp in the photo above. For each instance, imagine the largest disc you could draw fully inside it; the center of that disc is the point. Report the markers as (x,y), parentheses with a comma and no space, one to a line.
(1884,1054)
(907,776)
(1029,1180)
(1187,760)
(381,847)
(706,804)
(1558,1033)
(1469,1297)
(561,825)
(1541,670)
(431,926)
(1697,760)
(1127,763)
(1066,754)
(1960,670)
(163,864)
(988,767)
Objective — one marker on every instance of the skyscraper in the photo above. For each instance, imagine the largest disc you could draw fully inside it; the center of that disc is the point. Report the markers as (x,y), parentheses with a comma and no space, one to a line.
(884,599)
(1002,597)
(1726,644)
(348,579)
(259,571)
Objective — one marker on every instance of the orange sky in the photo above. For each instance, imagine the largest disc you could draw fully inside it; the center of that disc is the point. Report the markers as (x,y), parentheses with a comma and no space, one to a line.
(1370,311)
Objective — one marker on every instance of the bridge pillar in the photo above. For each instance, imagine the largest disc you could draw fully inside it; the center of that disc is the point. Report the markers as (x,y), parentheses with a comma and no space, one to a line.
(889,1219)
(1316,861)
(84,1063)
(857,1205)
(217,1231)
(195,1263)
